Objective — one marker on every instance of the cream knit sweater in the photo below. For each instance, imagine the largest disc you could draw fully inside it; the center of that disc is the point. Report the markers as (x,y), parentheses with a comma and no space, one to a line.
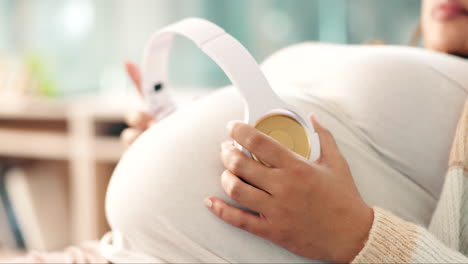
(393,240)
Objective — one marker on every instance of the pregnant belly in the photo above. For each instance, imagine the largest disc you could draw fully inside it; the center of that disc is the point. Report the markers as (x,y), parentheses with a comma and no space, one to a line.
(155,197)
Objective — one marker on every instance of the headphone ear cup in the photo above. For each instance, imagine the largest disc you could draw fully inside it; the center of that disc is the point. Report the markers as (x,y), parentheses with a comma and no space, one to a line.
(288,130)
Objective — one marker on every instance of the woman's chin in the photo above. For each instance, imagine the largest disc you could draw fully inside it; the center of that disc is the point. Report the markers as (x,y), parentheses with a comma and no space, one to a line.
(448,42)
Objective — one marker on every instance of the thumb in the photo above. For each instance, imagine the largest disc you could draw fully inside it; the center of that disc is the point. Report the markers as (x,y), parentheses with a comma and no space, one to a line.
(135,75)
(328,147)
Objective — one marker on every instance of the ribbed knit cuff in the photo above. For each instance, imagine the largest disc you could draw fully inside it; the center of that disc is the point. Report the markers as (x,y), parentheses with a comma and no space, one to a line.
(391,240)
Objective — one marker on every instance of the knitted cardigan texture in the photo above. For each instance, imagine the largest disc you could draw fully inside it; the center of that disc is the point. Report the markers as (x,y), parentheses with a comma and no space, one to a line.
(393,240)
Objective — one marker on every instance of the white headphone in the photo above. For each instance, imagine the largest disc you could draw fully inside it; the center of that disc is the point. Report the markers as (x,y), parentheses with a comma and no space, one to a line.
(259,99)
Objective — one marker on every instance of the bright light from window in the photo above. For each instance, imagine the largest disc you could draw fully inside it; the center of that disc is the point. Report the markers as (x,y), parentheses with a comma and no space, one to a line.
(77,18)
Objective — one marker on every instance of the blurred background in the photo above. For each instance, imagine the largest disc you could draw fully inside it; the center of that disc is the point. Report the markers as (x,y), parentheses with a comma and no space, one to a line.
(80,44)
(64,91)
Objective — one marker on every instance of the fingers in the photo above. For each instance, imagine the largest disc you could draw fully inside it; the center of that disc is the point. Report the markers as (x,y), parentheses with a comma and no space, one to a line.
(329,149)
(264,147)
(135,75)
(139,119)
(129,135)
(234,216)
(245,194)
(246,168)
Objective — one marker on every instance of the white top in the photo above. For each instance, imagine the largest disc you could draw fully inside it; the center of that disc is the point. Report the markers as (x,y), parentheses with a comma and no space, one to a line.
(386,106)
(402,99)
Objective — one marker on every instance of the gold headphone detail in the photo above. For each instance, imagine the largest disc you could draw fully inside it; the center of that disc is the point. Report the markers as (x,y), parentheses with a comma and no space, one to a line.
(286,130)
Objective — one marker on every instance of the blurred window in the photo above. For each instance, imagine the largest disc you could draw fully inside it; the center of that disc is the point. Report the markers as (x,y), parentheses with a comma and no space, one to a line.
(83,43)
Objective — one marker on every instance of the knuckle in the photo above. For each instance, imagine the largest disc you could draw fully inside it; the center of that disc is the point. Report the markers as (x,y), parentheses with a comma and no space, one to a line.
(225,179)
(234,129)
(220,212)
(299,171)
(254,141)
(225,153)
(234,190)
(236,163)
(242,224)
(248,226)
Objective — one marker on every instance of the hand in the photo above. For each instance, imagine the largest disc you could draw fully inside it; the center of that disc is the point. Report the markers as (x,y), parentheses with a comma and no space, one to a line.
(312,209)
(138,121)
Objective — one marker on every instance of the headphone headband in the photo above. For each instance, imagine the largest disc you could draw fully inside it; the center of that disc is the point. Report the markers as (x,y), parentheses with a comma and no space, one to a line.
(237,63)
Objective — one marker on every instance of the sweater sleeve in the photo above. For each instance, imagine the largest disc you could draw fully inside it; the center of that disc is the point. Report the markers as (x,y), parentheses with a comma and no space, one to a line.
(393,240)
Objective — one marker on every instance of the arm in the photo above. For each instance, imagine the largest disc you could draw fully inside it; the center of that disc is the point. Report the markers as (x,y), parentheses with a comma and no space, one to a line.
(314,209)
(394,240)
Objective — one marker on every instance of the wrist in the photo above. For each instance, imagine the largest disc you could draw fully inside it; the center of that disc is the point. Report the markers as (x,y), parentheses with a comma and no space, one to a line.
(355,239)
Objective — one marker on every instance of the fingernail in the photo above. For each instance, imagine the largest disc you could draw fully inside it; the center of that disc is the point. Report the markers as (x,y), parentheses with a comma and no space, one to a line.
(230,124)
(208,202)
(312,117)
(314,120)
